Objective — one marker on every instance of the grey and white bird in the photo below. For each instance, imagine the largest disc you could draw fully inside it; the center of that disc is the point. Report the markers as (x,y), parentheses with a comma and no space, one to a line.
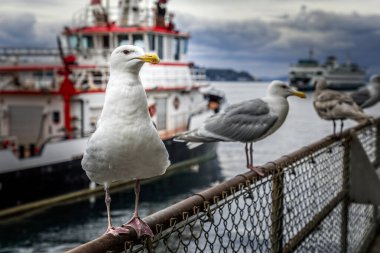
(335,105)
(125,145)
(369,95)
(248,121)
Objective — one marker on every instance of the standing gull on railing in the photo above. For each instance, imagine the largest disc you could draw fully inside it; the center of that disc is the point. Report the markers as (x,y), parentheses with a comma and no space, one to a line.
(334,105)
(369,95)
(125,145)
(247,121)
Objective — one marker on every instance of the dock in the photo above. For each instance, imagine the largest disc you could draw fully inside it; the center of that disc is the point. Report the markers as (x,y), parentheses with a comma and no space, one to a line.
(320,198)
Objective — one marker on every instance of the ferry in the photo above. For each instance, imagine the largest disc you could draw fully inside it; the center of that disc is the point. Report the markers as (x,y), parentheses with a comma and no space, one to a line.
(51,98)
(346,76)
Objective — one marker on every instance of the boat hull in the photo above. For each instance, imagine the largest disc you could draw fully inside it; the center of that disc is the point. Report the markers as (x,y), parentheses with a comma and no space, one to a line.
(305,84)
(19,187)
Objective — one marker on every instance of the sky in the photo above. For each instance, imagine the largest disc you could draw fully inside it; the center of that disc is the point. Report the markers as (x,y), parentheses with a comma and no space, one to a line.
(259,36)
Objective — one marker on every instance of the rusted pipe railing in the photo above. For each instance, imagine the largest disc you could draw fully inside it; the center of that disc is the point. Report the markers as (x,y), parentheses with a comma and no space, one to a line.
(163,219)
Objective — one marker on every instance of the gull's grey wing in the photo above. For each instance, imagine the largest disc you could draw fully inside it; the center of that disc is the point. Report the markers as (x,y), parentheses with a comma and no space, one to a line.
(361,96)
(244,122)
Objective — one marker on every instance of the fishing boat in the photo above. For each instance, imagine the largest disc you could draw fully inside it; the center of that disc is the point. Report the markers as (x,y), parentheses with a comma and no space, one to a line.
(346,76)
(51,98)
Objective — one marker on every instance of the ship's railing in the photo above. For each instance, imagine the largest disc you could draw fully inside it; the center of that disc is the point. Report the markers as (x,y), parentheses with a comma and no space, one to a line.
(14,52)
(93,15)
(301,205)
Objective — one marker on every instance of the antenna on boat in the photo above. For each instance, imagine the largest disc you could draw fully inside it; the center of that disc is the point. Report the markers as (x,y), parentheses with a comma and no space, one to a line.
(311,53)
(348,57)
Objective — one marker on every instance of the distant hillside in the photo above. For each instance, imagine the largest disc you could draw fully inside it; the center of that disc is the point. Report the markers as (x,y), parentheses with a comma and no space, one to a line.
(228,75)
(268,79)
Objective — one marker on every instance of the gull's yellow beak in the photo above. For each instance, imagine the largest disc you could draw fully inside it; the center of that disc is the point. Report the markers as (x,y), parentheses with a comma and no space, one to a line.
(298,94)
(151,58)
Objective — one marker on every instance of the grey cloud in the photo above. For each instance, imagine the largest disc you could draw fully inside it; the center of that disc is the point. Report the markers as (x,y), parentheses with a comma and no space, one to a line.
(22,30)
(289,38)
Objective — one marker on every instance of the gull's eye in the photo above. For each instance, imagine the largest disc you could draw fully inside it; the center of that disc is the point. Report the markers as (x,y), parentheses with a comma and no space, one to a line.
(283,86)
(126,51)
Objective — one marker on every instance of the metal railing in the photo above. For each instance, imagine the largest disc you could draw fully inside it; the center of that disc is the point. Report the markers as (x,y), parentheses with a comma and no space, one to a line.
(301,205)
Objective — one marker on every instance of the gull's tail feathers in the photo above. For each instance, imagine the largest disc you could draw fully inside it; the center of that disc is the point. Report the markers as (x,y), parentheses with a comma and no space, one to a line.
(193,136)
(192,145)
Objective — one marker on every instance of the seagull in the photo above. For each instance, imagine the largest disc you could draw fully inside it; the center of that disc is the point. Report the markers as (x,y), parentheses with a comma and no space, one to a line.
(248,121)
(369,95)
(334,105)
(125,145)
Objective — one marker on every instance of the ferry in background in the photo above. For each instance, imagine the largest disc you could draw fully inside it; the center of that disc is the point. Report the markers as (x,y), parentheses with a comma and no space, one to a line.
(345,76)
(51,98)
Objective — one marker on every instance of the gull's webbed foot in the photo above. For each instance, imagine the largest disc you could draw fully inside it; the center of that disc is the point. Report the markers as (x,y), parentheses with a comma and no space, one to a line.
(258,170)
(141,228)
(116,231)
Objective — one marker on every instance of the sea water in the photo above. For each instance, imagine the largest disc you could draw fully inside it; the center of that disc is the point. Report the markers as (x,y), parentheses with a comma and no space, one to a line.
(63,227)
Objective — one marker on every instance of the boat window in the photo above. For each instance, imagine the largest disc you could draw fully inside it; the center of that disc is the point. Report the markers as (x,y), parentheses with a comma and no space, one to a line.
(106,41)
(138,40)
(159,46)
(161,113)
(73,42)
(184,45)
(87,42)
(152,42)
(176,47)
(56,117)
(123,39)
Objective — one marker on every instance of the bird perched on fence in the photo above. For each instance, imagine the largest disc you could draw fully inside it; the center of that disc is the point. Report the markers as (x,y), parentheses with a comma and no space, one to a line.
(335,105)
(125,145)
(369,95)
(247,121)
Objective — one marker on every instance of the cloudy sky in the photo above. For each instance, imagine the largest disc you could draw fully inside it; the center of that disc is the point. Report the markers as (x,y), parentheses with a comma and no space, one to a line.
(260,36)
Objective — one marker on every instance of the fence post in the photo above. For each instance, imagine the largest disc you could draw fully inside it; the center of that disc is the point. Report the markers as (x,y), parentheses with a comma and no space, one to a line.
(376,165)
(345,184)
(277,210)
(377,148)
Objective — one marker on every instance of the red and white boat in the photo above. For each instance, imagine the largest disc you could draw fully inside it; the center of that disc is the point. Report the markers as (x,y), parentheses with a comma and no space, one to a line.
(51,98)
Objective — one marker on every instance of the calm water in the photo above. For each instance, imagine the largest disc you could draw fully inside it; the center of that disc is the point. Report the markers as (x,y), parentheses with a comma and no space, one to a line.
(64,227)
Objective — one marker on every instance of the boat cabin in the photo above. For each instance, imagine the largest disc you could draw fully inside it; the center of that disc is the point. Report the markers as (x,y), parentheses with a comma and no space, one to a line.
(61,91)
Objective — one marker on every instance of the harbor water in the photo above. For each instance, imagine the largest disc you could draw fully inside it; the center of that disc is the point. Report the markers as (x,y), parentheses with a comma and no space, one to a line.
(63,227)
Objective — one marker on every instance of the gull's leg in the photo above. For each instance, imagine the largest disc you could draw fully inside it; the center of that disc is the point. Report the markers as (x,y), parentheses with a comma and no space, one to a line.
(108,204)
(334,127)
(251,167)
(141,228)
(246,155)
(110,229)
(341,126)
(251,154)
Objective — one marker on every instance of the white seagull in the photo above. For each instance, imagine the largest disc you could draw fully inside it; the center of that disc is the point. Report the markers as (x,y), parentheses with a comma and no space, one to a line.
(125,145)
(369,95)
(247,121)
(335,105)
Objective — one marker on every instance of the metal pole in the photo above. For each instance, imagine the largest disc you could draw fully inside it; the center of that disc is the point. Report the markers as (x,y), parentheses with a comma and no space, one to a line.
(345,184)
(377,148)
(277,210)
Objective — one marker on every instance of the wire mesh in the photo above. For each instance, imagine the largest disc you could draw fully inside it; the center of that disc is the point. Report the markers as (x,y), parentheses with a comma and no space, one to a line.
(301,205)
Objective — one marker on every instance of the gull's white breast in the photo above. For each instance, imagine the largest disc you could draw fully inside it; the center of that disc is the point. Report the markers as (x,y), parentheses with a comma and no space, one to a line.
(125,146)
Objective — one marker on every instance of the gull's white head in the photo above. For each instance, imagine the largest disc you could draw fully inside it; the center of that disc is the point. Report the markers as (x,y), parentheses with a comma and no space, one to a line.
(375,81)
(129,58)
(279,88)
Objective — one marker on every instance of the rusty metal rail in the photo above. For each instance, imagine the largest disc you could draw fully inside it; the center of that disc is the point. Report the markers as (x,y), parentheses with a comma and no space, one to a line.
(300,205)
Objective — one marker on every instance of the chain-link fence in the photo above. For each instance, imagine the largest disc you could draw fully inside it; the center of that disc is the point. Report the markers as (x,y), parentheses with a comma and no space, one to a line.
(301,205)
